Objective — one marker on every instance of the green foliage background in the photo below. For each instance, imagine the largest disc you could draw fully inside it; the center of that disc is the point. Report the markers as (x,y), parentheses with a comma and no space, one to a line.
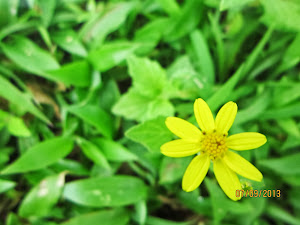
(85,87)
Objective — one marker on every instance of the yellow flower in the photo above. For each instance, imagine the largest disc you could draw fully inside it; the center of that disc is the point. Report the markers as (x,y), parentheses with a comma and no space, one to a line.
(212,144)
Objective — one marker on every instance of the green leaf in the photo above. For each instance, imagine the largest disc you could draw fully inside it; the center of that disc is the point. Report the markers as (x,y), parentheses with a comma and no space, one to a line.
(15,125)
(152,134)
(284,14)
(186,22)
(46,10)
(114,151)
(41,155)
(149,78)
(5,185)
(186,82)
(135,106)
(222,205)
(69,41)
(281,214)
(75,73)
(42,197)
(98,28)
(283,112)
(229,4)
(94,116)
(292,54)
(29,56)
(170,6)
(149,35)
(13,95)
(172,169)
(118,216)
(106,191)
(290,127)
(257,108)
(287,165)
(92,152)
(8,11)
(222,95)
(110,55)
(204,59)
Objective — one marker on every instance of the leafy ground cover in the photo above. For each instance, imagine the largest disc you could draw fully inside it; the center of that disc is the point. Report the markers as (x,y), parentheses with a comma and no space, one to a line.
(86,86)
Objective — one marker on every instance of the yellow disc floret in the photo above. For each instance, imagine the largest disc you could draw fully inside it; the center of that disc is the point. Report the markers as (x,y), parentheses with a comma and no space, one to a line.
(213,144)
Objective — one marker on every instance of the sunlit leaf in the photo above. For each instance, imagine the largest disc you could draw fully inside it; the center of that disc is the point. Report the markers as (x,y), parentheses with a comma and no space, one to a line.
(106,191)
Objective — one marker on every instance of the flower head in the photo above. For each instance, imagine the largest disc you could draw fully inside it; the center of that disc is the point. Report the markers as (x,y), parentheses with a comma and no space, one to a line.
(212,144)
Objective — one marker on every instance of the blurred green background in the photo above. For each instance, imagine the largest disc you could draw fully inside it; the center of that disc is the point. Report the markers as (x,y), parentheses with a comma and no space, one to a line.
(85,87)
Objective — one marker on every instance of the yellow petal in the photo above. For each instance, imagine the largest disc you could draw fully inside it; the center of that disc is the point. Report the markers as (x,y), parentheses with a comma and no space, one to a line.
(183,129)
(195,172)
(225,117)
(227,179)
(180,148)
(203,115)
(246,141)
(241,166)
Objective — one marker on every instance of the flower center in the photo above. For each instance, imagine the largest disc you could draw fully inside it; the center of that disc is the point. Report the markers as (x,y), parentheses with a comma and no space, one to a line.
(214,144)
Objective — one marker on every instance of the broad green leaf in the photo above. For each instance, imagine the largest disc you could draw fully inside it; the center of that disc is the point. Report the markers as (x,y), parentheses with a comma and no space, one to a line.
(76,73)
(109,94)
(172,169)
(92,152)
(14,124)
(135,106)
(15,96)
(290,127)
(114,151)
(195,202)
(94,116)
(292,54)
(186,22)
(17,127)
(98,28)
(8,11)
(110,55)
(6,185)
(257,107)
(229,4)
(106,191)
(222,95)
(41,198)
(118,216)
(152,134)
(69,41)
(286,165)
(284,14)
(149,35)
(202,53)
(170,6)
(284,112)
(149,78)
(187,83)
(46,10)
(29,56)
(73,167)
(41,155)
(286,94)
(222,204)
